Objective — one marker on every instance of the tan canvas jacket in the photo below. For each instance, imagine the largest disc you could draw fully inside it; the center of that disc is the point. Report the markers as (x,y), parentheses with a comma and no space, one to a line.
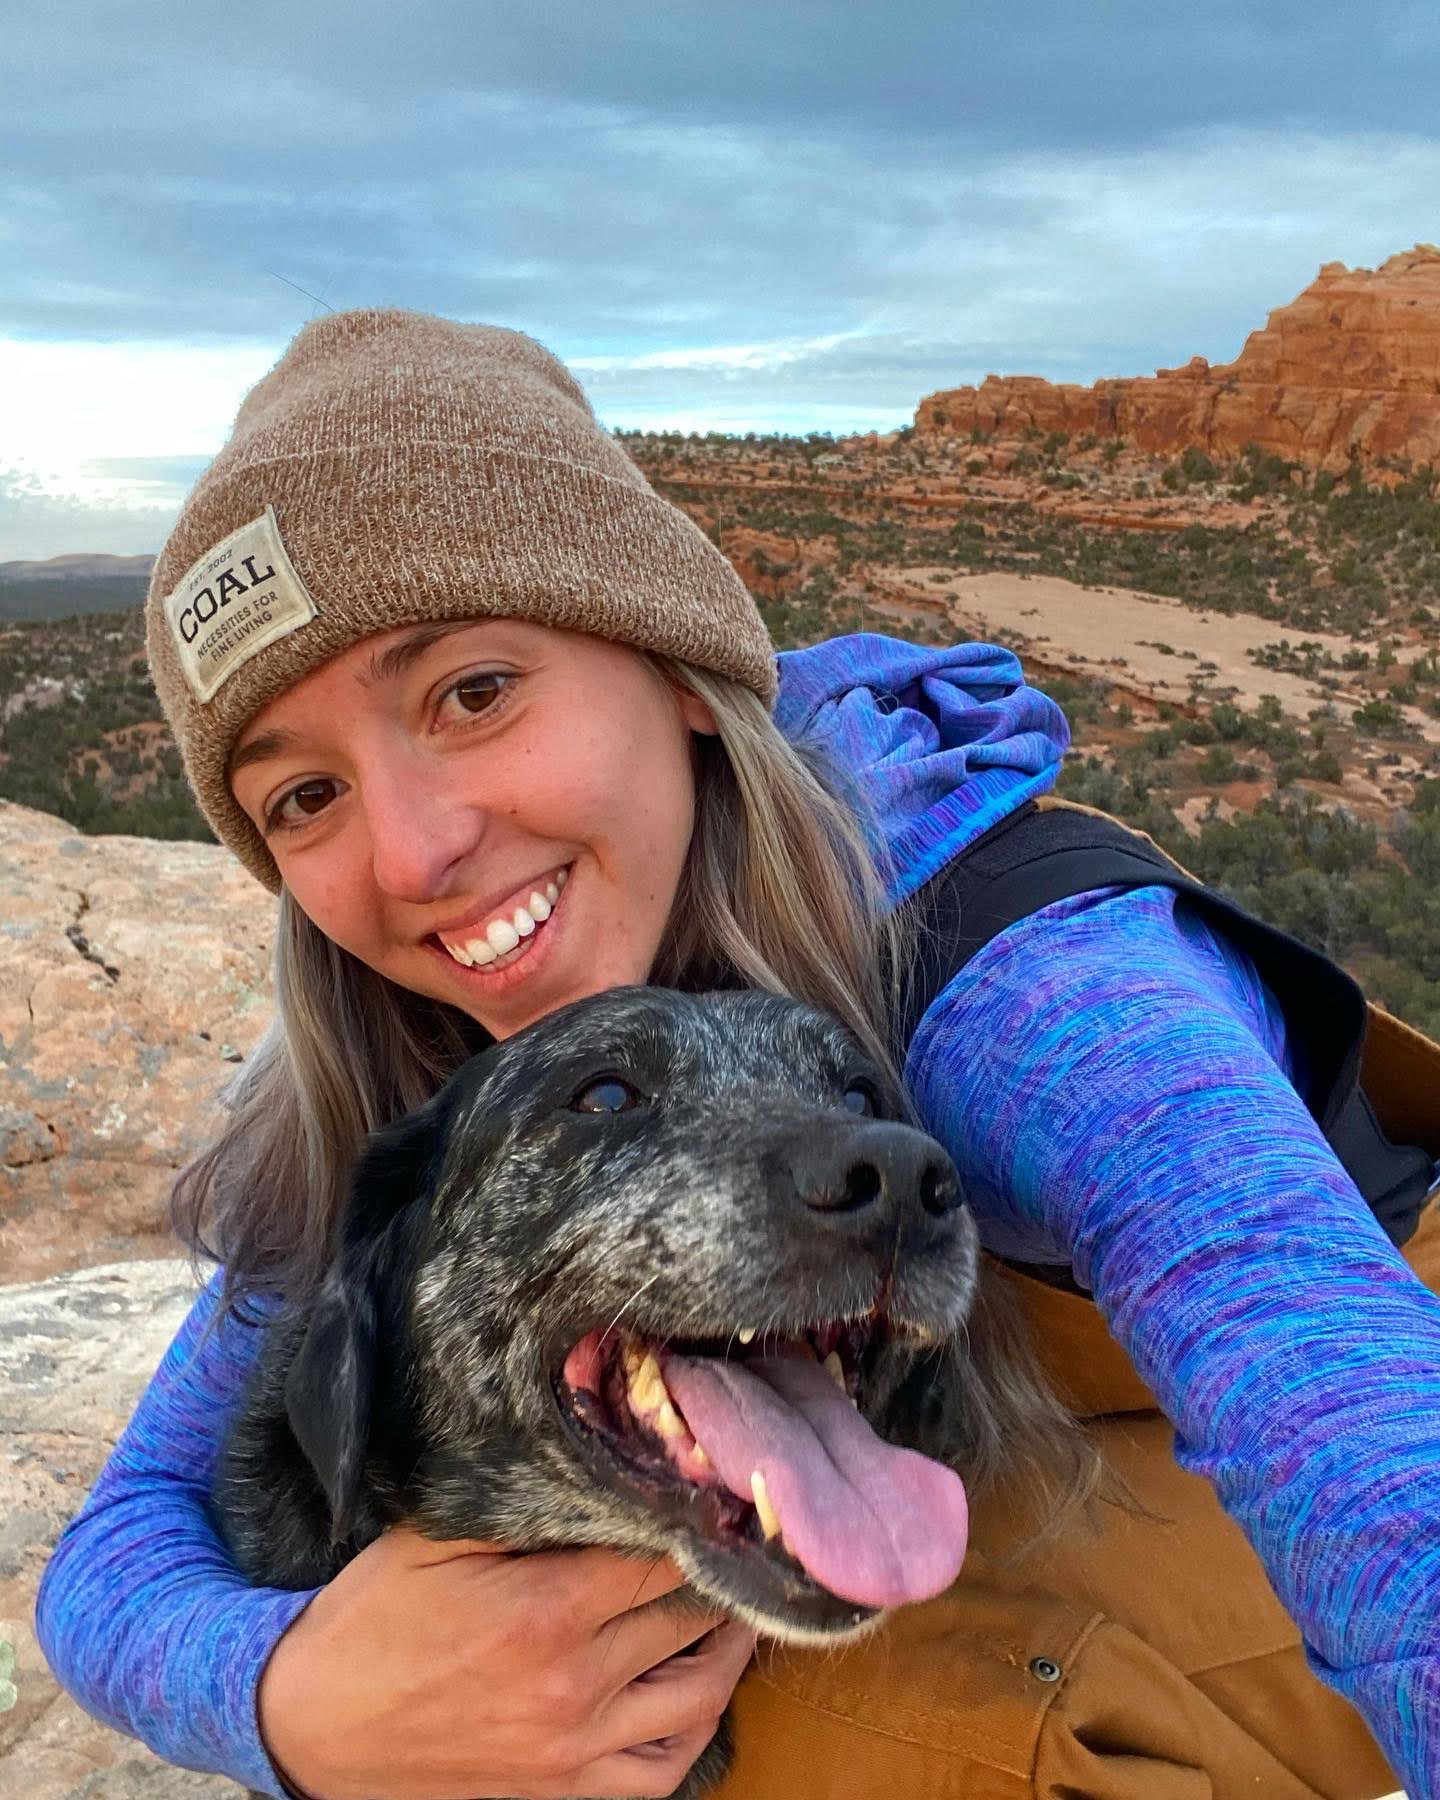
(1147,1659)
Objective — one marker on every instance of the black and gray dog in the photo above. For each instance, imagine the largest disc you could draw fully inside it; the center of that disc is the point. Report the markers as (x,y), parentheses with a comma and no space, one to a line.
(662,1272)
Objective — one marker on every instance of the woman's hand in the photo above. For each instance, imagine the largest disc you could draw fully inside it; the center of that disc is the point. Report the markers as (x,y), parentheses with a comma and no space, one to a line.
(458,1671)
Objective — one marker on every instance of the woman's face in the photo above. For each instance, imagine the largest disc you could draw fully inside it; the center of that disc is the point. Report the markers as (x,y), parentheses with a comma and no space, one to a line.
(522,794)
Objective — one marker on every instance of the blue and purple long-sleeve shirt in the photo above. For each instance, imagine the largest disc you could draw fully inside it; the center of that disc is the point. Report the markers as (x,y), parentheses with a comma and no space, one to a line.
(1113,1081)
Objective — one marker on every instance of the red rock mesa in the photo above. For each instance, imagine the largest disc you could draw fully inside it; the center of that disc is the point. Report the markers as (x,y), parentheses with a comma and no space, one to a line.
(1349,369)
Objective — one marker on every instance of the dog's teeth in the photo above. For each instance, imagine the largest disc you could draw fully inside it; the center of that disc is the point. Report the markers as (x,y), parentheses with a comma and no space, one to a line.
(835,1369)
(538,906)
(650,1398)
(648,1392)
(461,956)
(747,1336)
(769,1518)
(697,1454)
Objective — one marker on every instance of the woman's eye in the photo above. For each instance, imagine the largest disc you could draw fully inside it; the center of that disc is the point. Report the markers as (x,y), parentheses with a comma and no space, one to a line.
(274,816)
(605,1096)
(859,1098)
(483,688)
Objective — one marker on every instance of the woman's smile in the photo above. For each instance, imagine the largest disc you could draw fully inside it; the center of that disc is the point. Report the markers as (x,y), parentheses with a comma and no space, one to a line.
(494,932)
(513,937)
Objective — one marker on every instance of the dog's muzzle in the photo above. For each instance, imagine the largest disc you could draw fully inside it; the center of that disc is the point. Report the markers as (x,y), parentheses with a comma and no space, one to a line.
(752,1436)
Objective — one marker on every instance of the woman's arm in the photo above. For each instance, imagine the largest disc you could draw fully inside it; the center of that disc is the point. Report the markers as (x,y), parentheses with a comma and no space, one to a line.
(1105,1073)
(422,1669)
(141,1613)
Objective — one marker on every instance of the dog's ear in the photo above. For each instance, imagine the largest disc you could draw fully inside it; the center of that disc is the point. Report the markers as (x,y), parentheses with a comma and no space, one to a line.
(358,1315)
(329,1385)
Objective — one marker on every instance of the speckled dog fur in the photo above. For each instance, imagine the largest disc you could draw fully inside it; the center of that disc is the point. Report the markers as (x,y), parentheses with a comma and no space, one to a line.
(487,1233)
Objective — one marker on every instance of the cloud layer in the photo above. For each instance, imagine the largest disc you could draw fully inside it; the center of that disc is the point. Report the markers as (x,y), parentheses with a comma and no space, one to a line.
(734,217)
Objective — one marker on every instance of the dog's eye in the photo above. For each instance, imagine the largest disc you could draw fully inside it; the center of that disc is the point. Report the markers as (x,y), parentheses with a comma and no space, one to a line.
(860,1099)
(605,1096)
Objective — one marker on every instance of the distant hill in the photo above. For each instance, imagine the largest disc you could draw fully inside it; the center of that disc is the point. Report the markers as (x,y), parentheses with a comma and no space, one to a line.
(63,586)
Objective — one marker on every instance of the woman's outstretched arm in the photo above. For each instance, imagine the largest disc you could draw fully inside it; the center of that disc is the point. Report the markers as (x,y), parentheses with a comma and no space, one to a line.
(141,1613)
(1107,1075)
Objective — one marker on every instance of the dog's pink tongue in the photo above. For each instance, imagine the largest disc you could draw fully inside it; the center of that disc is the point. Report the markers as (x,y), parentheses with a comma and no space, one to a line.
(874,1524)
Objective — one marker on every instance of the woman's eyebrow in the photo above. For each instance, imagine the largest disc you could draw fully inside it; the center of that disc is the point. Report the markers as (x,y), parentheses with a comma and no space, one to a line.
(383,666)
(261,749)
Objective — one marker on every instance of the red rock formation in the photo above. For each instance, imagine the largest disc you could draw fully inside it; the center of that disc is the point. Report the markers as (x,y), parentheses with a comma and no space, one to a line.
(1350,368)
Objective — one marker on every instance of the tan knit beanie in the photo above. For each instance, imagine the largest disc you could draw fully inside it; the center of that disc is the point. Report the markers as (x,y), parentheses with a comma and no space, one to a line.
(394,468)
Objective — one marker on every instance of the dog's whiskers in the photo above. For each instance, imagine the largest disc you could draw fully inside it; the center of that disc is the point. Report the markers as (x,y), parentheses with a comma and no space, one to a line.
(630,1302)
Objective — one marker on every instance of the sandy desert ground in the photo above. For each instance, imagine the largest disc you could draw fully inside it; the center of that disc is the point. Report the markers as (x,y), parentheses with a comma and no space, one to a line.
(1113,632)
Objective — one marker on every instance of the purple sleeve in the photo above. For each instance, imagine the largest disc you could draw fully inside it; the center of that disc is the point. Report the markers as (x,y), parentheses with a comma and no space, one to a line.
(1105,1074)
(141,1613)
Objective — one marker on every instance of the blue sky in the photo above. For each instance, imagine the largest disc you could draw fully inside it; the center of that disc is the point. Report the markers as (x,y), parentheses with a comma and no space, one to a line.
(741,215)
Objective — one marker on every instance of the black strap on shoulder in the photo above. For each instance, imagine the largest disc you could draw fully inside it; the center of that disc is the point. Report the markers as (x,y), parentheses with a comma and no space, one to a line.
(1036,856)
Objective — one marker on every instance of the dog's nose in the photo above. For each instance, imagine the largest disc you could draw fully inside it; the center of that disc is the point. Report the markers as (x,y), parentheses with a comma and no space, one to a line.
(874,1172)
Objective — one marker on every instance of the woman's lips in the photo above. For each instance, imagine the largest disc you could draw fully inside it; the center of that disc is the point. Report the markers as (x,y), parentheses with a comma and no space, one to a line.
(510,935)
(499,927)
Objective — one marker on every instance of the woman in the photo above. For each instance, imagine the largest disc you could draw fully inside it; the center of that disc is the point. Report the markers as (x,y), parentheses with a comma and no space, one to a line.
(497,724)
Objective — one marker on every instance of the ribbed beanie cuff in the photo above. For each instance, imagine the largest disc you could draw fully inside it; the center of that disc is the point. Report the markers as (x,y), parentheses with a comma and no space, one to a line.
(395,468)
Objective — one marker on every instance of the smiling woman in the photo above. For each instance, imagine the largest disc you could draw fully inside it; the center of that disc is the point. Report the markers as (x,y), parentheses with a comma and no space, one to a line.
(420,790)
(503,731)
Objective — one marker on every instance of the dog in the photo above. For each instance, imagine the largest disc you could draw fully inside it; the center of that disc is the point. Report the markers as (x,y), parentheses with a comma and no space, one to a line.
(642,1276)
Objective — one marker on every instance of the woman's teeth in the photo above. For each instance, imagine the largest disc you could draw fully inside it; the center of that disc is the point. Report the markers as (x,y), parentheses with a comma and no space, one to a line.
(504,932)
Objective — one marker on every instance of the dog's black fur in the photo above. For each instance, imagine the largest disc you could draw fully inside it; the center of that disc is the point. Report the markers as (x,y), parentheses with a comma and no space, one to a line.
(675,1166)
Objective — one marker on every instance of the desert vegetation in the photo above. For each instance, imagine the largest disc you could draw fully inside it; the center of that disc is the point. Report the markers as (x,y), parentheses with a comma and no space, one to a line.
(1310,550)
(81,733)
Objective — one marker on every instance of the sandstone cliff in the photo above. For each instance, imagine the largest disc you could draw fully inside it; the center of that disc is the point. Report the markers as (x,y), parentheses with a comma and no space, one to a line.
(134,975)
(1349,369)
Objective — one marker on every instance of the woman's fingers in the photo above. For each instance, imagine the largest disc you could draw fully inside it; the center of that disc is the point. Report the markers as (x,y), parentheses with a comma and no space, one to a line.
(425,1671)
(653,1769)
(659,1724)
(611,1586)
(680,1696)
(643,1641)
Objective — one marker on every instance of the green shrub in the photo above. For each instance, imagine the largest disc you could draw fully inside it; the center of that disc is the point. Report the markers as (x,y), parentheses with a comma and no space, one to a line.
(1195,465)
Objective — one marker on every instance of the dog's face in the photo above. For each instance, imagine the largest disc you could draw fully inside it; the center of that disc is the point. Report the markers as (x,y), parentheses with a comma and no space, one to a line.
(647,1275)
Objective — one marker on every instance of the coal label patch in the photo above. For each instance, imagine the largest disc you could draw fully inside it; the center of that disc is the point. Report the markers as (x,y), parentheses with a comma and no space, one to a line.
(239,597)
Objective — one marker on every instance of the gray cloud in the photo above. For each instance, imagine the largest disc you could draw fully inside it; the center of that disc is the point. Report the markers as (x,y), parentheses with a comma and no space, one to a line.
(167,472)
(36,524)
(598,169)
(894,199)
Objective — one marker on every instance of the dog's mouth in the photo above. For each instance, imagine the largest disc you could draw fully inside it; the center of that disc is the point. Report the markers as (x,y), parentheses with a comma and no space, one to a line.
(760,1447)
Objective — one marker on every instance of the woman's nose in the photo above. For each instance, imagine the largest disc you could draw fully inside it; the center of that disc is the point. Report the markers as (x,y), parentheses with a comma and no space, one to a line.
(418,827)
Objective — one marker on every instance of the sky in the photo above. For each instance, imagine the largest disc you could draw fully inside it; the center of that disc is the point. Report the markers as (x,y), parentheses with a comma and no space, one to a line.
(741,215)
